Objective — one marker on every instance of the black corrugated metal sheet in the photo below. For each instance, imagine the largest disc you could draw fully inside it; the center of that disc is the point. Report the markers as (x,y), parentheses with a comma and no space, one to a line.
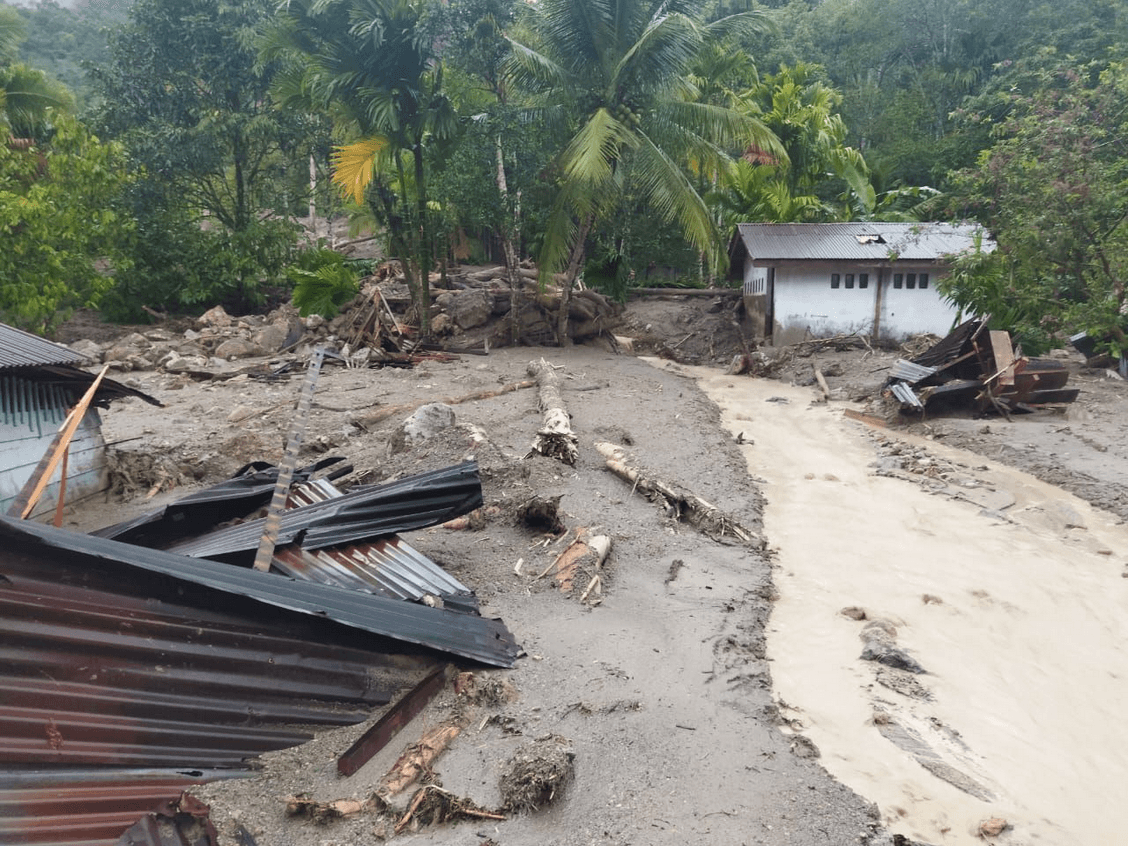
(373,511)
(249,489)
(476,638)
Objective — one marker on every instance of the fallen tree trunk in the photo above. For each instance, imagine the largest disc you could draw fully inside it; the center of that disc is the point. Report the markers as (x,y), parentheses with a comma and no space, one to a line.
(375,416)
(679,503)
(417,759)
(555,438)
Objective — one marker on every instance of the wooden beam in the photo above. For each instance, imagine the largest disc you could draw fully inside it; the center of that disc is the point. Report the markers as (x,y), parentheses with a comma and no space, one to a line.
(34,487)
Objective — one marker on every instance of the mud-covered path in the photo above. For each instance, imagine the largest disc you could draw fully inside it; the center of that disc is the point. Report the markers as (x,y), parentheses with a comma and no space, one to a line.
(1006,590)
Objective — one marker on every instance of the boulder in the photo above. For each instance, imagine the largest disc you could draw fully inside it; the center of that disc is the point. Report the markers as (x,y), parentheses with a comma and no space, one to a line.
(215,317)
(88,348)
(471,308)
(236,348)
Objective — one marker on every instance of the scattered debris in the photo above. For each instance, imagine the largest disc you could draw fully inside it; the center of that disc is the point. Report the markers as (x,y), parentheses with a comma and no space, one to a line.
(585,555)
(537,774)
(542,514)
(980,369)
(993,827)
(432,805)
(325,812)
(417,759)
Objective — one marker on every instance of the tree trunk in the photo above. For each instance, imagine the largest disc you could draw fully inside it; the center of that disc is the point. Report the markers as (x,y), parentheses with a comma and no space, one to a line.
(512,271)
(555,438)
(575,264)
(423,246)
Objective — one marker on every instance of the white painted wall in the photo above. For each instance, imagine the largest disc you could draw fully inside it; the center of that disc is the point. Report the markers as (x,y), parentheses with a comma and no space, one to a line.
(806,306)
(907,311)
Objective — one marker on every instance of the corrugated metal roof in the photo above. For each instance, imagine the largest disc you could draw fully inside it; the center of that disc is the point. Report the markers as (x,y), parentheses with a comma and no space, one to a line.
(388,566)
(860,241)
(22,349)
(905,394)
(366,513)
(909,372)
(201,511)
(476,638)
(121,685)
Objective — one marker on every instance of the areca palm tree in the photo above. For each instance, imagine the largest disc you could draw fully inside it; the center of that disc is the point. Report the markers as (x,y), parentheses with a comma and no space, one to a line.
(370,64)
(618,73)
(26,96)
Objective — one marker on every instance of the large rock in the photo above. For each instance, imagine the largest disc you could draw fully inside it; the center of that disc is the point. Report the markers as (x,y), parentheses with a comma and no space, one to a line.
(88,348)
(471,308)
(273,337)
(236,348)
(427,421)
(214,318)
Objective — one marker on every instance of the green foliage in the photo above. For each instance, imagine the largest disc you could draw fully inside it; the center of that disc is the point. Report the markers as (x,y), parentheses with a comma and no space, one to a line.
(27,96)
(619,72)
(323,282)
(60,230)
(180,266)
(63,40)
(1052,190)
(986,283)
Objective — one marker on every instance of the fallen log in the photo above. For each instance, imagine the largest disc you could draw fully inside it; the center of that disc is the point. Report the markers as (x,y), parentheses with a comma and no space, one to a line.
(555,437)
(678,503)
(375,416)
(417,759)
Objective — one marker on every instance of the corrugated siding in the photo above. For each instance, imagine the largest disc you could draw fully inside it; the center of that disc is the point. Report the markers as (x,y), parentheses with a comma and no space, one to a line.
(840,241)
(31,413)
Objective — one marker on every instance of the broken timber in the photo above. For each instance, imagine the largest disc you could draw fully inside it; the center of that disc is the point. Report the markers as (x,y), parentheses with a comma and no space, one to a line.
(399,715)
(679,503)
(379,414)
(555,437)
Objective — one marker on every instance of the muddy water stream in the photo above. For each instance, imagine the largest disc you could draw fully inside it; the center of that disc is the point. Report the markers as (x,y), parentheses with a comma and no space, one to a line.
(1007,591)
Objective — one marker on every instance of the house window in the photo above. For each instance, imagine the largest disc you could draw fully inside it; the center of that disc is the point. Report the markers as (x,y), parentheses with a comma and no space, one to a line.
(922,281)
(849,280)
(898,280)
(863,280)
(910,280)
(835,280)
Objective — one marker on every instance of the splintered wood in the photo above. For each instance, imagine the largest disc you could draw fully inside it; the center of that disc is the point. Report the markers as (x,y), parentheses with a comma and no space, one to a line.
(555,437)
(417,759)
(583,557)
(679,503)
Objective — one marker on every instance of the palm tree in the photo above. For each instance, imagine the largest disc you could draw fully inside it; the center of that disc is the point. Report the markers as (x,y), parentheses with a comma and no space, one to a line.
(370,64)
(618,73)
(26,96)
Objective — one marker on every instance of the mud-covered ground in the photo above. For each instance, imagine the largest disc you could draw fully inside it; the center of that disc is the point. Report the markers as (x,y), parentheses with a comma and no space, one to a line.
(657,687)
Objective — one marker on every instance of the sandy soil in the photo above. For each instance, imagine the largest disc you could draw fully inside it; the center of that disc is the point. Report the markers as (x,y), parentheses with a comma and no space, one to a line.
(690,715)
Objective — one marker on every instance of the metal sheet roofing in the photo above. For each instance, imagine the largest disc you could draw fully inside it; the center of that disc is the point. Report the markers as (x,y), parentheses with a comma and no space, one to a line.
(22,349)
(121,686)
(859,241)
(468,636)
(366,513)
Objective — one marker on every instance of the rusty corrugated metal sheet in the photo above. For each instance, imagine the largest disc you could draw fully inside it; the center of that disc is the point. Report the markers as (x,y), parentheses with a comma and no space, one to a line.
(57,807)
(121,687)
(859,241)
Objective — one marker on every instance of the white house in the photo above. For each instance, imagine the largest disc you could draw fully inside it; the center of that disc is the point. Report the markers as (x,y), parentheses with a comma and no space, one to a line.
(804,280)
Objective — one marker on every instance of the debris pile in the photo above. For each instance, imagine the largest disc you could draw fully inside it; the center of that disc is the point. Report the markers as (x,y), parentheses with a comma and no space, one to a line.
(981,369)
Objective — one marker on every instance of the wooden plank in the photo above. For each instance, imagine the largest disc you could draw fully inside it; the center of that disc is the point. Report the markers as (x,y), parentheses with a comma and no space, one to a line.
(1003,351)
(868,419)
(389,725)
